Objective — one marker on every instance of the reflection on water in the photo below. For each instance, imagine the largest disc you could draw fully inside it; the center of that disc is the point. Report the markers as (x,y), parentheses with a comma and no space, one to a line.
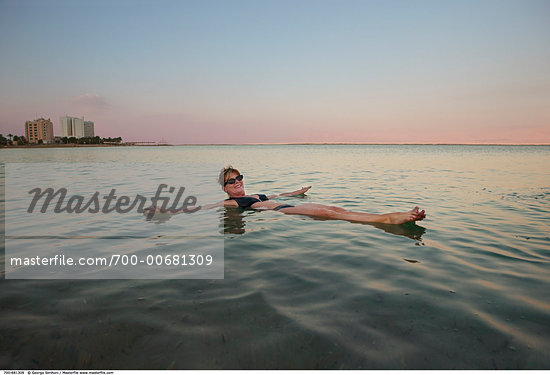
(465,289)
(410,230)
(233,221)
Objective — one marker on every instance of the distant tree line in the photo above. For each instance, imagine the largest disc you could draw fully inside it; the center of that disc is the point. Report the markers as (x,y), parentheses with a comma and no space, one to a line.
(21,140)
(12,139)
(90,140)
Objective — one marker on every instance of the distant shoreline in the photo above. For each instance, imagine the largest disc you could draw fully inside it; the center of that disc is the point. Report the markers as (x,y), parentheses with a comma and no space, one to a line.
(70,145)
(57,145)
(361,144)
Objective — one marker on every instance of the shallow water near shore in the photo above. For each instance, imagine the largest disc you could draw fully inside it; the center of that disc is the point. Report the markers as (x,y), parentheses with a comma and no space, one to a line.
(467,288)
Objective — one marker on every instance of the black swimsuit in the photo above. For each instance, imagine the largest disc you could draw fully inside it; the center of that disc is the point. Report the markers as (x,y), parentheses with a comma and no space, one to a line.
(282,206)
(246,202)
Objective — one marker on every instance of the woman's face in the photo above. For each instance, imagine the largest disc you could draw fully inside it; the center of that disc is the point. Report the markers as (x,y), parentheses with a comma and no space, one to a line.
(236,189)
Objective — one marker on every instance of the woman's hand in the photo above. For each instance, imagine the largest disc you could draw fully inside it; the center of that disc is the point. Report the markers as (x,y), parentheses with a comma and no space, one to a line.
(153,210)
(302,190)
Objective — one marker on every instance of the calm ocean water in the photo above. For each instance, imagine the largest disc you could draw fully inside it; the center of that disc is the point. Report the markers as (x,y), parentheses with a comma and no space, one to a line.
(469,287)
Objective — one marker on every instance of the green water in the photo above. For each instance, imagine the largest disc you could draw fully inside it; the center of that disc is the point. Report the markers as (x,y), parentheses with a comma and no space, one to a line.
(469,287)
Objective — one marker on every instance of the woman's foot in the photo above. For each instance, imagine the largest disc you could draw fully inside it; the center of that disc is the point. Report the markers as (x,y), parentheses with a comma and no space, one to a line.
(405,217)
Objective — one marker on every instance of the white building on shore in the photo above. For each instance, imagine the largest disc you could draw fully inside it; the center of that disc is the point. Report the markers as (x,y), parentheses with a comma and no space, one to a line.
(76,127)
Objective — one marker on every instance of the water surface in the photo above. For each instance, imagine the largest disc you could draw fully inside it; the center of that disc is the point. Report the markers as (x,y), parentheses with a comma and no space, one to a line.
(469,287)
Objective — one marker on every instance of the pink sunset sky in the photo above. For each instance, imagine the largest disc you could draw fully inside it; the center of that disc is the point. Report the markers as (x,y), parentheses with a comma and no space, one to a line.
(281,72)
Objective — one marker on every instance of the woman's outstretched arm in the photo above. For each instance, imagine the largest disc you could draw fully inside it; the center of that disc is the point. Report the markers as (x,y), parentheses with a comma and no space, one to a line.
(291,194)
(226,203)
(159,210)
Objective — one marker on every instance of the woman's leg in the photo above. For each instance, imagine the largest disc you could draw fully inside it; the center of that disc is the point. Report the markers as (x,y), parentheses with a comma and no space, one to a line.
(337,213)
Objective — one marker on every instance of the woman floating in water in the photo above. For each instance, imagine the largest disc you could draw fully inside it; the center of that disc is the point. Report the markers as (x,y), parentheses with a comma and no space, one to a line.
(231,181)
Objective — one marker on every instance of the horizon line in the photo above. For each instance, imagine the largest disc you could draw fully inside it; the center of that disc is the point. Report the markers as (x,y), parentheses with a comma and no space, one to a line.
(357,143)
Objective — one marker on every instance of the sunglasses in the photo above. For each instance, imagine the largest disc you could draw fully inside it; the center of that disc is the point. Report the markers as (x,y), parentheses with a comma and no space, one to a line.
(231,181)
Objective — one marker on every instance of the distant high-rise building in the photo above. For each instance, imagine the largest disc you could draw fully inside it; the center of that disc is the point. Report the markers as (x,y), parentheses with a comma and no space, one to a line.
(39,129)
(88,128)
(66,126)
(76,127)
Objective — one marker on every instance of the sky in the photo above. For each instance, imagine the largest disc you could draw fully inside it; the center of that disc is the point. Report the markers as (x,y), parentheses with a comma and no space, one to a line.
(239,71)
